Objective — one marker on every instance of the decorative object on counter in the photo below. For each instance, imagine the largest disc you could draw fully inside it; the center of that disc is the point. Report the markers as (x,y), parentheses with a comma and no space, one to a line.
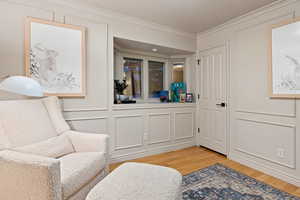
(22,85)
(119,87)
(55,57)
(170,95)
(189,97)
(284,72)
(182,97)
(123,97)
(177,89)
(164,96)
(128,101)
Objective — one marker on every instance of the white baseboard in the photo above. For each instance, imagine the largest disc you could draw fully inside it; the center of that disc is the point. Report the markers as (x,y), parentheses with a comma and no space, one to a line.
(266,169)
(149,152)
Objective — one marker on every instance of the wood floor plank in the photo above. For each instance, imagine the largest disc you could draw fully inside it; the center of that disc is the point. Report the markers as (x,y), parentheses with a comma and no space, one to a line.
(195,158)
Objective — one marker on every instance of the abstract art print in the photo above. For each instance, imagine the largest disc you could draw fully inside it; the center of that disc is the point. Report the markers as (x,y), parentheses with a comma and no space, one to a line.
(55,57)
(285,60)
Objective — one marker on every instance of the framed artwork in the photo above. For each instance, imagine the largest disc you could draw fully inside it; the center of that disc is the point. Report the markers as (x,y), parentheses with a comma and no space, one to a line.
(189,97)
(55,57)
(284,68)
(182,97)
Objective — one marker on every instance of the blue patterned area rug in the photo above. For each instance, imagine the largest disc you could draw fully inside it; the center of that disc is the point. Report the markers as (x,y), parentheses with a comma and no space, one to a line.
(219,182)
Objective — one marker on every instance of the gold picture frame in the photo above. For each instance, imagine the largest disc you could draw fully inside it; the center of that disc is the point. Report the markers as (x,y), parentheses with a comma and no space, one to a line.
(55,55)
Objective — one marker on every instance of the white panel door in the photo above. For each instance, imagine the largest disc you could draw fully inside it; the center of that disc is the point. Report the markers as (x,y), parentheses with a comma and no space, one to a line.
(212,102)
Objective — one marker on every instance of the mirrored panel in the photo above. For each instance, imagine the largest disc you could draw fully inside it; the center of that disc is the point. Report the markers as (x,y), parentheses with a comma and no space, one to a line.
(178,72)
(156,78)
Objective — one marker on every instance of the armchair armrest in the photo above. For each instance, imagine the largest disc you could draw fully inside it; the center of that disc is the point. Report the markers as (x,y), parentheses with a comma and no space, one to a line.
(88,142)
(26,176)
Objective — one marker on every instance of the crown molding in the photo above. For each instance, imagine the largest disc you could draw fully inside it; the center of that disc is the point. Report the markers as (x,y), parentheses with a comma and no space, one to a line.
(100,12)
(250,15)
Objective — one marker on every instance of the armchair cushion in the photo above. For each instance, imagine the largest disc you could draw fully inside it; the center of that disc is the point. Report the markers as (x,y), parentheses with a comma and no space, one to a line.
(25,176)
(77,169)
(88,142)
(54,147)
(54,110)
(25,122)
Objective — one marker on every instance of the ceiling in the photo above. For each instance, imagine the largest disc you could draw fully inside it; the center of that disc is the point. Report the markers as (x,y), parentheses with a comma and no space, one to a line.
(145,47)
(187,15)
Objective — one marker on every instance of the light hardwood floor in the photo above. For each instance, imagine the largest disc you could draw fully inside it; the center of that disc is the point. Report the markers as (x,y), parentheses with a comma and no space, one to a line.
(195,158)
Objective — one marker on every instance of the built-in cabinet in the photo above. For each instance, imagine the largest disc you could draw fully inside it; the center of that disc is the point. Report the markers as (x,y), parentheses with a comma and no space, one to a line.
(151,128)
(141,129)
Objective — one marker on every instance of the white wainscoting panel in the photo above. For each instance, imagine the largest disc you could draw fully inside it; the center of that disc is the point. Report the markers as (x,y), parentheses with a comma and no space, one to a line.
(128,131)
(264,139)
(251,60)
(159,128)
(90,125)
(184,125)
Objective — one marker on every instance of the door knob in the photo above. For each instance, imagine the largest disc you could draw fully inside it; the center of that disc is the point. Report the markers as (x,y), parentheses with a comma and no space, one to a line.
(223,104)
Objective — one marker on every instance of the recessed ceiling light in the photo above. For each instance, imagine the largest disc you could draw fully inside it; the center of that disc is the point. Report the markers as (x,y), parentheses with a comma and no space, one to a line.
(154,50)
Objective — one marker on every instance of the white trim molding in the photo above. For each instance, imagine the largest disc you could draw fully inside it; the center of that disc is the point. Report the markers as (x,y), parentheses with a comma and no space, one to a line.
(292,179)
(291,166)
(193,125)
(151,151)
(115,147)
(248,16)
(149,128)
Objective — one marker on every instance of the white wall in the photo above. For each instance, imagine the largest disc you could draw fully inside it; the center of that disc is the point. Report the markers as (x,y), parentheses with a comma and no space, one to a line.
(259,125)
(95,112)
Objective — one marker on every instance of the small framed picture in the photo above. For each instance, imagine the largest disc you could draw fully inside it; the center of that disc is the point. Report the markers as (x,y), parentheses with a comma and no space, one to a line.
(189,97)
(182,98)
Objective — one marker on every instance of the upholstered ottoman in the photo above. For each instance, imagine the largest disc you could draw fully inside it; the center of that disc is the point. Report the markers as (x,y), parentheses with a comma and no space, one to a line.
(137,181)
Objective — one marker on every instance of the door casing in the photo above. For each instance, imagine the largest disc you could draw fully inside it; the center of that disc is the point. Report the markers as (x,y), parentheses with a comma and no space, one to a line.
(200,55)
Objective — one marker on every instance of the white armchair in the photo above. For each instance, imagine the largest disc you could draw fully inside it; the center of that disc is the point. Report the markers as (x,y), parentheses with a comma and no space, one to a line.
(41,158)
